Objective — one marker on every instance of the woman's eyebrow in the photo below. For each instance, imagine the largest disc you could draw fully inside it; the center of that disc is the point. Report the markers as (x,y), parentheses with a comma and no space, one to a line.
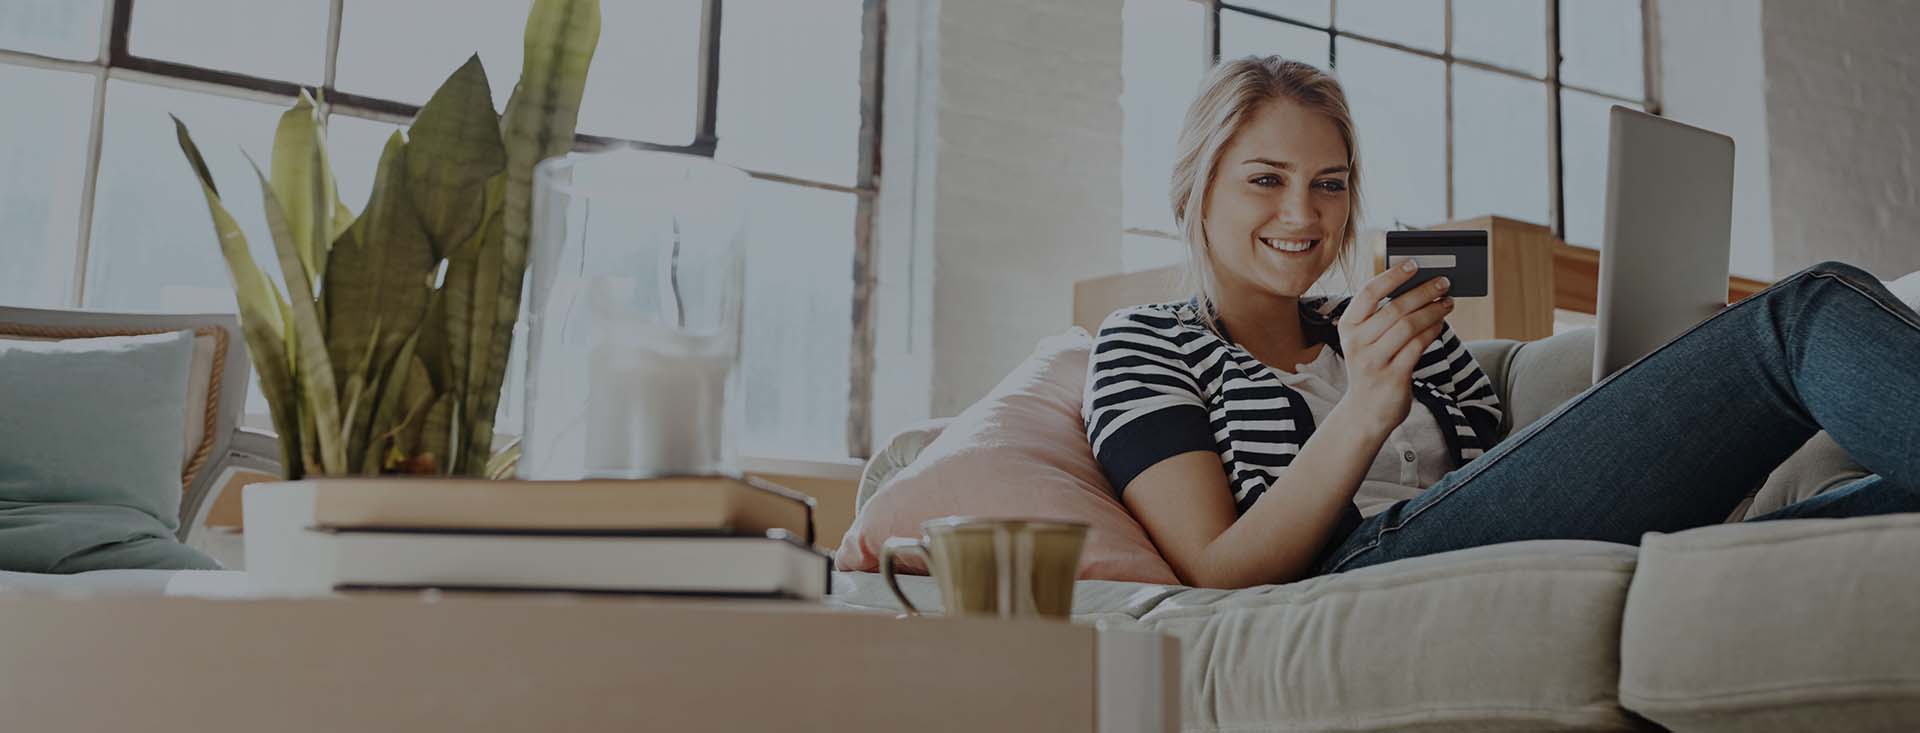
(1285,166)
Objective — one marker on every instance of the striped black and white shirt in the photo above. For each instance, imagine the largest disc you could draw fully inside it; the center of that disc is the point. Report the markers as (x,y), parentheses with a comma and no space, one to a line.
(1161,384)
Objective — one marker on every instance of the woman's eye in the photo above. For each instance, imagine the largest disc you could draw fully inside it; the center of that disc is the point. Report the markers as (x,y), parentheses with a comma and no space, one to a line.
(1266,181)
(1332,186)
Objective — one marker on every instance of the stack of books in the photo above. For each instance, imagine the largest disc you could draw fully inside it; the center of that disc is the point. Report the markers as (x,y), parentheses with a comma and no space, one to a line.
(700,536)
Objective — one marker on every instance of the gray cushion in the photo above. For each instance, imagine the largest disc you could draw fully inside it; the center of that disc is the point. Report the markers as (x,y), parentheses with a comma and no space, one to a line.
(90,452)
(1522,636)
(1819,465)
(1810,624)
(1534,377)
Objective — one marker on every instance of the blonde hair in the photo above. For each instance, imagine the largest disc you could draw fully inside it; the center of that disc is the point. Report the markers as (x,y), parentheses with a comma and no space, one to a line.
(1227,99)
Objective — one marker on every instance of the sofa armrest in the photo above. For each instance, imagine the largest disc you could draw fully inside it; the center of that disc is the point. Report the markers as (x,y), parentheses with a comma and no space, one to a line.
(901,449)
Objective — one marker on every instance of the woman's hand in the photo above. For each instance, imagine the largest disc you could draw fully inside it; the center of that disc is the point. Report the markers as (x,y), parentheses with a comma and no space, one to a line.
(1383,343)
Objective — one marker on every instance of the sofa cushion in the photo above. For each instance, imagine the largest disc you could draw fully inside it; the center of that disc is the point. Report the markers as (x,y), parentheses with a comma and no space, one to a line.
(1021,451)
(90,453)
(1542,375)
(1836,648)
(899,453)
(203,379)
(1819,465)
(1520,636)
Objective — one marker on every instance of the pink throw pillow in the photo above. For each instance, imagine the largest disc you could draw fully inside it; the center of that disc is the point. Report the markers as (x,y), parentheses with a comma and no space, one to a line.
(1021,451)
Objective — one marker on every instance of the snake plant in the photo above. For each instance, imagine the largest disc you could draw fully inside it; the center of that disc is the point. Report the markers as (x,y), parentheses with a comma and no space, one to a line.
(386,349)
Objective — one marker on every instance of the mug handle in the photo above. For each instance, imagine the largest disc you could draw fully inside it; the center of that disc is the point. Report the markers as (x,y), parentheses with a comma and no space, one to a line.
(892,549)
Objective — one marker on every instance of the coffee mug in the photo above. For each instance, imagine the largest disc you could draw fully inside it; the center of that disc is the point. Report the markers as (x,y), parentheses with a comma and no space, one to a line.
(994,567)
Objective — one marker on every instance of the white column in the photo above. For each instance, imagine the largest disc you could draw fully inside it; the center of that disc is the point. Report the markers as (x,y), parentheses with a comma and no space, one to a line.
(1000,187)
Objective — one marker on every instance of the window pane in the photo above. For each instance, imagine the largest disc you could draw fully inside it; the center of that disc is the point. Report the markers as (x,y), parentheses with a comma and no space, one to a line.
(1583,164)
(43,166)
(388,49)
(1317,12)
(354,145)
(1160,67)
(153,244)
(1600,46)
(1242,35)
(1420,24)
(790,87)
(799,321)
(68,29)
(274,39)
(643,85)
(1500,146)
(1510,33)
(1397,102)
(642,80)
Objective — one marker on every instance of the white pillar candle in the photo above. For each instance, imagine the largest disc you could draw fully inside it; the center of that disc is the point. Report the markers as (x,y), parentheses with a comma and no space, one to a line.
(656,402)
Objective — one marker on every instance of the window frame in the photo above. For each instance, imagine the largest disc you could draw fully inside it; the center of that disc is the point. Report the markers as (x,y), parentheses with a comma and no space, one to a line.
(114,60)
(1650,66)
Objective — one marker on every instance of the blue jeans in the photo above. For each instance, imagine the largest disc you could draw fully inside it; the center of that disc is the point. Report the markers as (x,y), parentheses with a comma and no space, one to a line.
(1680,437)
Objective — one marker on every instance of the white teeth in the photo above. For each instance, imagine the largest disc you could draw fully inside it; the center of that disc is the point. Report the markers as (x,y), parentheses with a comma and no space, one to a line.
(1290,245)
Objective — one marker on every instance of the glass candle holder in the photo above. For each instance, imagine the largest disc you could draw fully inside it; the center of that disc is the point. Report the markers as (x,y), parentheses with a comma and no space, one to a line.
(637,266)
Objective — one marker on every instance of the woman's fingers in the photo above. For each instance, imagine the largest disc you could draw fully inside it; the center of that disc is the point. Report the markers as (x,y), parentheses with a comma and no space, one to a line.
(1376,288)
(1408,303)
(1409,353)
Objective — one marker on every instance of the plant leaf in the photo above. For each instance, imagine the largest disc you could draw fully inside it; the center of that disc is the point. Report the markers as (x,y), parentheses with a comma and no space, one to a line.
(315,374)
(304,183)
(481,335)
(309,450)
(378,272)
(362,387)
(260,307)
(434,431)
(560,39)
(389,406)
(454,147)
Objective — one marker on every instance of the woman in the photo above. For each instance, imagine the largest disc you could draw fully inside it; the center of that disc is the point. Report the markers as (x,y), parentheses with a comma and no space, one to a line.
(1264,435)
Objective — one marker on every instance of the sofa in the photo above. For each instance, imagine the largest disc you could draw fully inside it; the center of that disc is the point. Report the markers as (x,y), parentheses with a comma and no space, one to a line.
(1782,626)
(214,445)
(1776,626)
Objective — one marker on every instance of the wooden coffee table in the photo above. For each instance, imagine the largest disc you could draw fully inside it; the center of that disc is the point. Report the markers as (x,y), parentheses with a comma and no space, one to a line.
(433,662)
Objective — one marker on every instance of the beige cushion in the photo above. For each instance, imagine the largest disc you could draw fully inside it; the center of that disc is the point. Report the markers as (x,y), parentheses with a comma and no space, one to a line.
(1810,624)
(1020,451)
(1817,467)
(1521,636)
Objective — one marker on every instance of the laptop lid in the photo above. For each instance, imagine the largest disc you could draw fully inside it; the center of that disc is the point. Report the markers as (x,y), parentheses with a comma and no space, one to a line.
(1664,250)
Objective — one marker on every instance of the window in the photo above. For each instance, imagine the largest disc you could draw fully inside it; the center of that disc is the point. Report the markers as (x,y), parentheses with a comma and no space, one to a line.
(1464,107)
(97,209)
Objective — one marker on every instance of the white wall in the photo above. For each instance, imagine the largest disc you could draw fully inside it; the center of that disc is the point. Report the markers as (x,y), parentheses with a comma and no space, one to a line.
(1014,173)
(1843,113)
(1002,178)
(1712,75)
(1819,98)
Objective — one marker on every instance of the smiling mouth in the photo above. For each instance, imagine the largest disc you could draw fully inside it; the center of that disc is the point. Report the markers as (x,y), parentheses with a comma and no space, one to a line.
(1290,246)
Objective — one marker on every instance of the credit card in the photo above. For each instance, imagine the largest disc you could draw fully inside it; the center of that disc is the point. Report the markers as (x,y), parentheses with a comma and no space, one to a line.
(1458,254)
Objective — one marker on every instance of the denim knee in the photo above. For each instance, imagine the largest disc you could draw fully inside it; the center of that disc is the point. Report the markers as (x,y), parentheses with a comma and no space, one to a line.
(1834,269)
(1842,270)
(1859,280)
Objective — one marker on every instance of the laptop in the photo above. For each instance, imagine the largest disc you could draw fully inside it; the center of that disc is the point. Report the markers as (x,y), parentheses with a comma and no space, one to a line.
(1668,229)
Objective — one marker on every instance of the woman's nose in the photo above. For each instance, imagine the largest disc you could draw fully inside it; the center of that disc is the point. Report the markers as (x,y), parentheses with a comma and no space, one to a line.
(1295,209)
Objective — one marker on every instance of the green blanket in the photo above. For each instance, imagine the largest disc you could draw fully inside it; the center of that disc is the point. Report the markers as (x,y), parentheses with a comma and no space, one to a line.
(73,538)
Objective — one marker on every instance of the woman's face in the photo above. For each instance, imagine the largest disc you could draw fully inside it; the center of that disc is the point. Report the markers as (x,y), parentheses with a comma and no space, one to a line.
(1277,205)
